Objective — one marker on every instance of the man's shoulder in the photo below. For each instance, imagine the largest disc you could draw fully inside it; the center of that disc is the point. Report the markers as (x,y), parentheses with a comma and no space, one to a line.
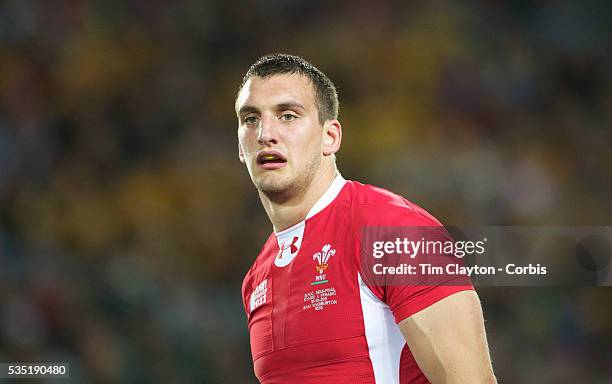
(372,205)
(268,251)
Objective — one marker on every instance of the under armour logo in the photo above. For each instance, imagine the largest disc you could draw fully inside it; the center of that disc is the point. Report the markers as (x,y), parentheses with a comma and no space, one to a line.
(292,247)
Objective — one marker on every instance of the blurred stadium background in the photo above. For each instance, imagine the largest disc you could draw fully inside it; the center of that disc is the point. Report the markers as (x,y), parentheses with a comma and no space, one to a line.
(127,222)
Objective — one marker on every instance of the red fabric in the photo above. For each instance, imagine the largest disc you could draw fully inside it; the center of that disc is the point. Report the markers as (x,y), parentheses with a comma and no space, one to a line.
(307,324)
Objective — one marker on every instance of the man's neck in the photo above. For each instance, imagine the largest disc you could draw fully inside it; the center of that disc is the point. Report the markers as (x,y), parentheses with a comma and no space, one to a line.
(290,212)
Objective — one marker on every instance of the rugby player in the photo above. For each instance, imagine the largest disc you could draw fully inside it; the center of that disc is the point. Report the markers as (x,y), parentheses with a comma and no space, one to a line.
(312,317)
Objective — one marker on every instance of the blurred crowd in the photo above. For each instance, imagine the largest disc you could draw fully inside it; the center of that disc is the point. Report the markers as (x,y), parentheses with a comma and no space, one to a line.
(127,221)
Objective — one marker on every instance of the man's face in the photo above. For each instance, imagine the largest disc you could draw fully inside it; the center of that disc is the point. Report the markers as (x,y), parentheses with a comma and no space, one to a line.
(279,134)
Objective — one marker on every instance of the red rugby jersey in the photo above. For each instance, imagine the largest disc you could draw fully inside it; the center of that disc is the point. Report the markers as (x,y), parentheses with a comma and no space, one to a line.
(311,317)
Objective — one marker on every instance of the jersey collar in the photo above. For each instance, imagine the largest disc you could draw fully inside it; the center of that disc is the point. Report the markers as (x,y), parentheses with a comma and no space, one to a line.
(329,196)
(325,200)
(290,239)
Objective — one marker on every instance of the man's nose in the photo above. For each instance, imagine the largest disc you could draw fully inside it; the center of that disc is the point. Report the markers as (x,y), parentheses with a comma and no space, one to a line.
(267,131)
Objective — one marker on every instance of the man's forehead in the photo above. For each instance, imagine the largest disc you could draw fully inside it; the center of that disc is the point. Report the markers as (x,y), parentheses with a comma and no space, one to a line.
(276,88)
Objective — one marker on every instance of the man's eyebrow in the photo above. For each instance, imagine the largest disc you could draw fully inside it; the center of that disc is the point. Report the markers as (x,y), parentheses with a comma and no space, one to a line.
(247,109)
(279,107)
(290,105)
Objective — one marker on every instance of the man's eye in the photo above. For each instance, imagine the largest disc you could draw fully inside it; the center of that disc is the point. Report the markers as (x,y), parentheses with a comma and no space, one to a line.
(288,117)
(250,120)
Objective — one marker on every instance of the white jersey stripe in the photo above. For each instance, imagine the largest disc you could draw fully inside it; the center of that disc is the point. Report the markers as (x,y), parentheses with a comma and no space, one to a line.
(385,340)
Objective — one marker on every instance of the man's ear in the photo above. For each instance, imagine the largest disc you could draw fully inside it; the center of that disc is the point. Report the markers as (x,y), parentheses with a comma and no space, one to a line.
(240,153)
(332,137)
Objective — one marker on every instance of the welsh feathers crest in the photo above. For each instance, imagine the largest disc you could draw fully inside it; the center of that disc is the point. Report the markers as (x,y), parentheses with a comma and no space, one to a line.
(322,258)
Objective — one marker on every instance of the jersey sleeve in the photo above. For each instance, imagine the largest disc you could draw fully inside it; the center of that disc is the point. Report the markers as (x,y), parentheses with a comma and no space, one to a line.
(390,221)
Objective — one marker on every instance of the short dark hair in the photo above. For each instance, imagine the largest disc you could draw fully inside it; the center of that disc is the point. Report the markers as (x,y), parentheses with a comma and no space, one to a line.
(326,96)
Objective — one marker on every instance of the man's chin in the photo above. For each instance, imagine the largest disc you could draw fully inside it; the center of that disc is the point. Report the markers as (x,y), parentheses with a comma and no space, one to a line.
(273,186)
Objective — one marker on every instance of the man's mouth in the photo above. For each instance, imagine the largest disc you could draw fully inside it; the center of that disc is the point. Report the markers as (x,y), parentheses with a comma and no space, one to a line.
(271,160)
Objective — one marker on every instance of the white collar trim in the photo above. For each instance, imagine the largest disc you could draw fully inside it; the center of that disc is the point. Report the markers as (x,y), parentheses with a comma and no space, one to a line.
(326,199)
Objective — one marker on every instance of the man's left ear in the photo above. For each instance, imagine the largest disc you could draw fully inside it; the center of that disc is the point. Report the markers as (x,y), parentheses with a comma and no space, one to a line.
(332,137)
